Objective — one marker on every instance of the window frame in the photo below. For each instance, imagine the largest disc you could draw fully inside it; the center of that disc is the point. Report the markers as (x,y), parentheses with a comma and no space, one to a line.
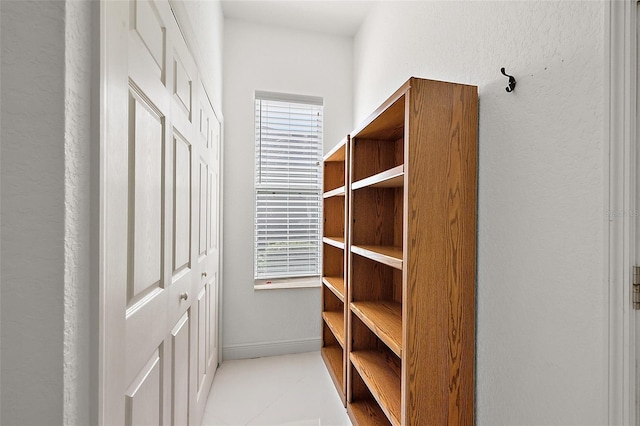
(292,281)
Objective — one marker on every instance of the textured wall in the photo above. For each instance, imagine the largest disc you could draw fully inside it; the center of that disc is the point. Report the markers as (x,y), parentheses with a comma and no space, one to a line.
(541,307)
(46,85)
(33,182)
(266,58)
(77,143)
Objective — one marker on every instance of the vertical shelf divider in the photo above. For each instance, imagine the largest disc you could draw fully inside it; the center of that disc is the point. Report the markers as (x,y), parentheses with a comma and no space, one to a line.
(335,287)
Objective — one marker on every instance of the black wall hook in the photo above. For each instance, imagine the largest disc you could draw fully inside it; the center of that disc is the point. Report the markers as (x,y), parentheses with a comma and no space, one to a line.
(512,81)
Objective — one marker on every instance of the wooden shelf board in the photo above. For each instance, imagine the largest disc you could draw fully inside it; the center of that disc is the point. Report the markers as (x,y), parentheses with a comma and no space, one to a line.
(392,178)
(332,356)
(337,153)
(381,379)
(387,121)
(388,255)
(334,241)
(384,318)
(335,322)
(338,192)
(367,412)
(336,285)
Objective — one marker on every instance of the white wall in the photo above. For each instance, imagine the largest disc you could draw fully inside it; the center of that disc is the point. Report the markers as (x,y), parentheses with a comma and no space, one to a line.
(33,180)
(259,57)
(541,307)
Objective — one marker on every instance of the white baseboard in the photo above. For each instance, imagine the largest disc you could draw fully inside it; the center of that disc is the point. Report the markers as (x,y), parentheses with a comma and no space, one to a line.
(283,347)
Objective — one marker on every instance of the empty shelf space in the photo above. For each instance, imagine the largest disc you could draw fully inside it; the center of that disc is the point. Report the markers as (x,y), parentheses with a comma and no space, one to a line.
(332,356)
(384,318)
(337,153)
(367,412)
(334,241)
(382,379)
(335,322)
(392,178)
(388,255)
(336,285)
(338,192)
(387,122)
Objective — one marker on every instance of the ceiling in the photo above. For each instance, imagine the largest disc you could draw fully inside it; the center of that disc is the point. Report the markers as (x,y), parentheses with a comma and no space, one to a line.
(337,17)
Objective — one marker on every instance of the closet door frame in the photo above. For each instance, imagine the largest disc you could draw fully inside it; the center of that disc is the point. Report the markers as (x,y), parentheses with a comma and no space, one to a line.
(621,228)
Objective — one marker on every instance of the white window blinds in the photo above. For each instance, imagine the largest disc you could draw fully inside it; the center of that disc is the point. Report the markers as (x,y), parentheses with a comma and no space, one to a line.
(288,186)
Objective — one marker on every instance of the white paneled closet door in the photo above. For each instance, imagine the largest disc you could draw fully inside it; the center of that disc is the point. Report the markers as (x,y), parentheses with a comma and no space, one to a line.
(159,225)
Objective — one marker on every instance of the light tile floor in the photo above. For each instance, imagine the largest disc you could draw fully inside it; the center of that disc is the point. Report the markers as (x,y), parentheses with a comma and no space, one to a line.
(279,390)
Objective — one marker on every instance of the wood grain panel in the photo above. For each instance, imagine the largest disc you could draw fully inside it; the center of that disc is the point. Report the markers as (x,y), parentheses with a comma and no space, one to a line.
(180,371)
(145,197)
(440,160)
(381,374)
(338,152)
(334,216)
(181,204)
(392,178)
(331,302)
(335,322)
(333,356)
(372,156)
(373,216)
(333,261)
(387,125)
(148,26)
(370,280)
(335,241)
(384,318)
(338,192)
(336,285)
(388,255)
(362,338)
(143,398)
(367,413)
(334,175)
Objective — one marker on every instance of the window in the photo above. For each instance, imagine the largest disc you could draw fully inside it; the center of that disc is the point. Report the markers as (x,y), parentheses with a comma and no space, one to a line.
(288,186)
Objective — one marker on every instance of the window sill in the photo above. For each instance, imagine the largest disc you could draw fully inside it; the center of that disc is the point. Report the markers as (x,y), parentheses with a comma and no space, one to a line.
(307,282)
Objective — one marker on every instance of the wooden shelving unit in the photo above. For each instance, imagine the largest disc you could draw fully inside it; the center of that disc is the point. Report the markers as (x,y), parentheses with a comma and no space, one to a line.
(334,280)
(410,249)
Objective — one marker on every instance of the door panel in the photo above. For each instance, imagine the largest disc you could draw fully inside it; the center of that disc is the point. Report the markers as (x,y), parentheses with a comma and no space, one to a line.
(183,83)
(146,201)
(149,231)
(213,208)
(212,324)
(202,340)
(202,201)
(149,28)
(160,195)
(143,400)
(182,205)
(147,44)
(180,371)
